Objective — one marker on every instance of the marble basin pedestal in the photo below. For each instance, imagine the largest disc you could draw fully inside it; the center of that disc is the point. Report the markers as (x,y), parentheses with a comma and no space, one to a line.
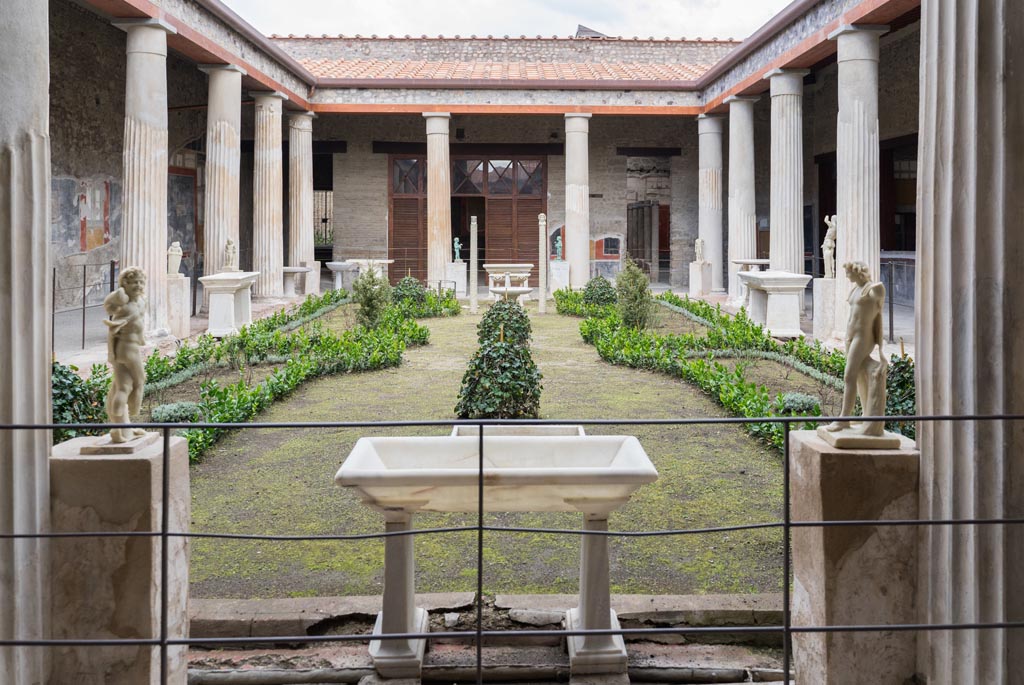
(230,301)
(291,277)
(343,273)
(509,281)
(551,471)
(776,300)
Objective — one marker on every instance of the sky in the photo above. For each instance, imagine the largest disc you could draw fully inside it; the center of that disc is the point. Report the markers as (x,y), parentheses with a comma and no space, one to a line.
(659,18)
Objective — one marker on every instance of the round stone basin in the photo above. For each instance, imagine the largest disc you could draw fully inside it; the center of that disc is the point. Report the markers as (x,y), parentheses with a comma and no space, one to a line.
(590,474)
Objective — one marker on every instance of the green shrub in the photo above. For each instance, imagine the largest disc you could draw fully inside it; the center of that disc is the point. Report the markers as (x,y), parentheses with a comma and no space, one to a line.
(77,399)
(636,307)
(507,316)
(570,303)
(434,304)
(372,293)
(901,395)
(409,289)
(177,412)
(797,404)
(599,292)
(501,382)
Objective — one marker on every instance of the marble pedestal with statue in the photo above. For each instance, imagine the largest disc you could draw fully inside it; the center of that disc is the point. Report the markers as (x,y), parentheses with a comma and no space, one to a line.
(455,276)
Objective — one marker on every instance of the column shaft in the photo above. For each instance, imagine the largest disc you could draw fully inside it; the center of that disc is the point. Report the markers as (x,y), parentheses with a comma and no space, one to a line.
(439,196)
(144,209)
(267,198)
(577,198)
(474,265)
(542,264)
(786,247)
(970,351)
(709,222)
(300,197)
(742,206)
(223,125)
(25,301)
(857,172)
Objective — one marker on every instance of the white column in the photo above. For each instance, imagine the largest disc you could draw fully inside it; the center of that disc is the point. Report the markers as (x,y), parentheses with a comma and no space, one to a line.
(439,196)
(223,125)
(542,264)
(300,197)
(970,350)
(857,177)
(474,266)
(786,246)
(267,198)
(742,206)
(25,301)
(709,222)
(577,198)
(144,208)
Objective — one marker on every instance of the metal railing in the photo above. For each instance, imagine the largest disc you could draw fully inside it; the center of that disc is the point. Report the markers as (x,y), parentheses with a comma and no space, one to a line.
(104,281)
(787,630)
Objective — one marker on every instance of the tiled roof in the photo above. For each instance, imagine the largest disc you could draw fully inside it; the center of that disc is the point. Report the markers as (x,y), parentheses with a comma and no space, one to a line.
(650,39)
(501,71)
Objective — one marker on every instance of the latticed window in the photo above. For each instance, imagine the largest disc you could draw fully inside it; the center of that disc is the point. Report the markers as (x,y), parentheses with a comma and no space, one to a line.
(407,176)
(468,177)
(500,177)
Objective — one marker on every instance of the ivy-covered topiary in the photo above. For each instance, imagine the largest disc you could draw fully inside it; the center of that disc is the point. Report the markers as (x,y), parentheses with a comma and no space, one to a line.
(373,294)
(636,306)
(599,292)
(507,316)
(78,400)
(409,289)
(502,382)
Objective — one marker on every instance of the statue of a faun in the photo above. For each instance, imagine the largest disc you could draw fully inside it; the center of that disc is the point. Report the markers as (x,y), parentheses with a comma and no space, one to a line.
(828,248)
(126,308)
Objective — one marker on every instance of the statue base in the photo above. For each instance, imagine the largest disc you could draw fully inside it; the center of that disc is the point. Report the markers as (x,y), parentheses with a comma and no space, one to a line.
(850,439)
(104,445)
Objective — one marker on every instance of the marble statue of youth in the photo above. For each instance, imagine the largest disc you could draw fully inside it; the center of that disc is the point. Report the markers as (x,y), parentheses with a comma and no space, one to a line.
(126,308)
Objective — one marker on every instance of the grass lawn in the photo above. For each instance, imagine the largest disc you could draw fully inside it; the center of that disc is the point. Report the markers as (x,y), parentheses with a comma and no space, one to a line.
(281,481)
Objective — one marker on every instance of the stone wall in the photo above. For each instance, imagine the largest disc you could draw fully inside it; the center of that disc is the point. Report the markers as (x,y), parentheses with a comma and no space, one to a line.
(506,49)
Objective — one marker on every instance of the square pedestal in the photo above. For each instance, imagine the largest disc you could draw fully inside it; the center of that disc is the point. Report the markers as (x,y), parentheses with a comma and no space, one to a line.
(853,575)
(107,588)
(700,279)
(311,283)
(558,274)
(178,305)
(608,657)
(456,272)
(400,658)
(824,308)
(776,300)
(230,301)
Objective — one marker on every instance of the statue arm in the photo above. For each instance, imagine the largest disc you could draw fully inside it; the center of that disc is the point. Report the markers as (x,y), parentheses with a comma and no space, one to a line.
(877,292)
(114,301)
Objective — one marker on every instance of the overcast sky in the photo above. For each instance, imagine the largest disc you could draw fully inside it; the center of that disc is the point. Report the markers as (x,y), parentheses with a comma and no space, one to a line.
(643,18)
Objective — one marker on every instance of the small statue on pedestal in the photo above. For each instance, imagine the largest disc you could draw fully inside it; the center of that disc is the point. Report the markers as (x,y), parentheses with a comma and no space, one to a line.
(457,244)
(558,247)
(698,250)
(828,248)
(865,376)
(230,256)
(126,308)
(174,258)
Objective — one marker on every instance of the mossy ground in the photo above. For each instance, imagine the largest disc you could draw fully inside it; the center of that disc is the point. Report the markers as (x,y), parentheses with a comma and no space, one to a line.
(281,482)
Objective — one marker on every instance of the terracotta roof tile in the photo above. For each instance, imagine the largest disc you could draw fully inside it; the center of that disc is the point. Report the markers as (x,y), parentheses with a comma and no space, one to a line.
(502,71)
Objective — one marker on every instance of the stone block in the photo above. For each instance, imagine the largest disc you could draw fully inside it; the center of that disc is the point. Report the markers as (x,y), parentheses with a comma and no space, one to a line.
(558,274)
(455,272)
(700,279)
(854,575)
(109,588)
(311,283)
(179,290)
(824,308)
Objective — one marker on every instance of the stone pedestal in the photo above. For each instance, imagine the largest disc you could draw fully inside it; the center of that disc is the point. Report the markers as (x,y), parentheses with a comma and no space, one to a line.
(824,308)
(343,273)
(230,301)
(179,290)
(853,575)
(455,272)
(776,300)
(108,588)
(311,281)
(700,279)
(291,276)
(558,275)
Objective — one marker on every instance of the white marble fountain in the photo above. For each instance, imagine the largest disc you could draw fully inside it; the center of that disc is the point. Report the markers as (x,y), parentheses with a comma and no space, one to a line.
(556,469)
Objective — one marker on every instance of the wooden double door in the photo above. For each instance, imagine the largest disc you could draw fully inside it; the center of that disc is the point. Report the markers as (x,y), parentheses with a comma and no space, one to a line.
(505,194)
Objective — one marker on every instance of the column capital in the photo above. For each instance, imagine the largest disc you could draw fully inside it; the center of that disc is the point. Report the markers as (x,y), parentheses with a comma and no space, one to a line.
(876,29)
(857,41)
(741,98)
(437,115)
(437,122)
(578,115)
(787,81)
(271,94)
(302,121)
(577,122)
(210,68)
(127,24)
(707,123)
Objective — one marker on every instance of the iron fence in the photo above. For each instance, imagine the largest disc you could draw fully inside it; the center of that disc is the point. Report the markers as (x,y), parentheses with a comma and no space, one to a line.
(98,279)
(787,630)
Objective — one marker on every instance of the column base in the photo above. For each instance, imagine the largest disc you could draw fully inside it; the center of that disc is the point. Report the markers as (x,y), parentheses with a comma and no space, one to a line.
(583,660)
(400,658)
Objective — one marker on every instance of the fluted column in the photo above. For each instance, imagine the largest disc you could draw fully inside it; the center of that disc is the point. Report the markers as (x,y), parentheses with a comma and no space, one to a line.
(577,198)
(786,245)
(223,124)
(439,196)
(709,196)
(300,196)
(267,198)
(144,208)
(857,177)
(970,347)
(25,300)
(742,206)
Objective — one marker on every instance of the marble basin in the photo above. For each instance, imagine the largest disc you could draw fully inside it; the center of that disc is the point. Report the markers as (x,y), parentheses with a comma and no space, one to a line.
(590,474)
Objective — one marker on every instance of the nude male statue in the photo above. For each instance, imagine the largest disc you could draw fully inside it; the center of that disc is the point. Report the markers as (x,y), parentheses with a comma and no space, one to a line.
(126,307)
(828,248)
(864,376)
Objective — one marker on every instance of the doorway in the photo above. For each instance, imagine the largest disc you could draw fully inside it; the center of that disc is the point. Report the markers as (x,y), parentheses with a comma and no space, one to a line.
(463,209)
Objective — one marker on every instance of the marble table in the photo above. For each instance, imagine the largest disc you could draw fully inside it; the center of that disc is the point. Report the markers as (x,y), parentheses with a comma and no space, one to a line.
(230,301)
(342,271)
(291,275)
